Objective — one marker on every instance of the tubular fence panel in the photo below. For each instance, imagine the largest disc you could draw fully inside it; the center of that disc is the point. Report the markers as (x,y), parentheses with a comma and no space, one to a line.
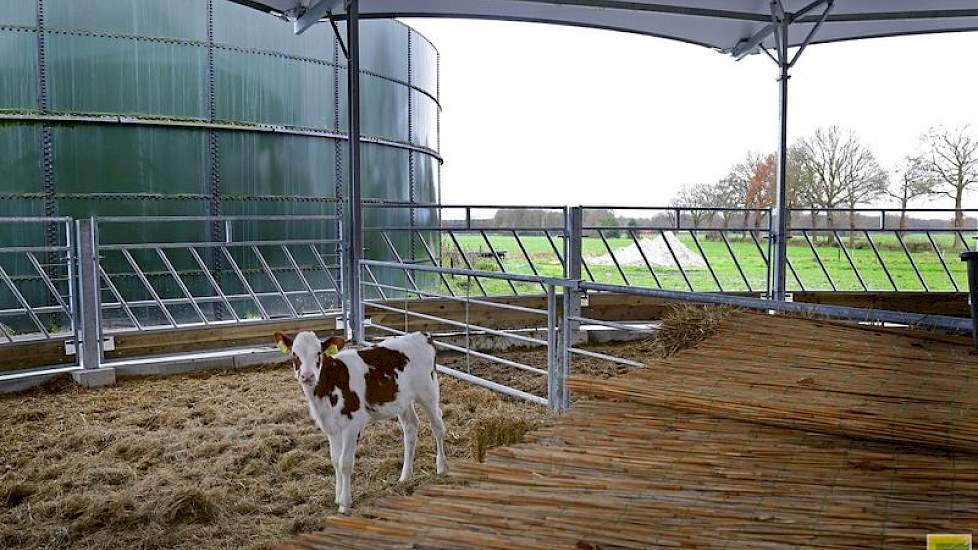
(690,249)
(403,309)
(486,238)
(258,269)
(37,280)
(59,276)
(554,326)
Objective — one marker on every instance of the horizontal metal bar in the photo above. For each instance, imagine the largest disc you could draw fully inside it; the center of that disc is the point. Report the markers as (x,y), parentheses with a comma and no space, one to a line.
(21,249)
(469,206)
(34,219)
(672,209)
(31,373)
(878,230)
(887,210)
(527,339)
(212,299)
(610,324)
(461,299)
(465,377)
(197,272)
(467,272)
(44,310)
(493,358)
(837,312)
(488,384)
(35,337)
(215,324)
(612,358)
(220,244)
(673,228)
(135,219)
(462,229)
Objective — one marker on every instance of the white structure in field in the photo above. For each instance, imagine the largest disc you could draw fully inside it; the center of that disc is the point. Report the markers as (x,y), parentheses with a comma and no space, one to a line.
(656,252)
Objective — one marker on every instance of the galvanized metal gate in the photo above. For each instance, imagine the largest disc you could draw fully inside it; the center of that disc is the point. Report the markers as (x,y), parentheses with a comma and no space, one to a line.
(102,278)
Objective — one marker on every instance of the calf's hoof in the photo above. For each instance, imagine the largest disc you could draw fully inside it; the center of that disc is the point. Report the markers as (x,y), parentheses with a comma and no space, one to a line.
(344,509)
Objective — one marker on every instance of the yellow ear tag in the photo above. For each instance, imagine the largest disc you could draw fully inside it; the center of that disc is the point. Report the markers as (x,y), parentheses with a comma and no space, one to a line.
(282,347)
(331,350)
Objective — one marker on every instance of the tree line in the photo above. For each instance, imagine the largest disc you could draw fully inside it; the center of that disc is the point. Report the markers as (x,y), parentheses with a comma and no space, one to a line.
(833,168)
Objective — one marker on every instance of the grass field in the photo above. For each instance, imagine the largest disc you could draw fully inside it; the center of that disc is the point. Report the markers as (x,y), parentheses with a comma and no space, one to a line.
(806,268)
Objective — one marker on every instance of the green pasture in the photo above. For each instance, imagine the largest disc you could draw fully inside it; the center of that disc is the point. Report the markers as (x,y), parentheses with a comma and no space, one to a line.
(806,269)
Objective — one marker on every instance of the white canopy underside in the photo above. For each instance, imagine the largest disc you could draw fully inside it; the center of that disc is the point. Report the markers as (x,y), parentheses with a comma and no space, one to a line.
(715,24)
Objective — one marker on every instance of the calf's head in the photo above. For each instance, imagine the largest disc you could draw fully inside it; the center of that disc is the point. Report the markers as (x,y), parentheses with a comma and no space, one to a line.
(306,351)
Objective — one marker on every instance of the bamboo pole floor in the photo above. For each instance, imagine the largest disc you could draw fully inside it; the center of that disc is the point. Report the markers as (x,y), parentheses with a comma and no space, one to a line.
(775,433)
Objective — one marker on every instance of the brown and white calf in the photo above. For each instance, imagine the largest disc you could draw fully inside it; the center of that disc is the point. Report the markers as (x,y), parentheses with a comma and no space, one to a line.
(353,388)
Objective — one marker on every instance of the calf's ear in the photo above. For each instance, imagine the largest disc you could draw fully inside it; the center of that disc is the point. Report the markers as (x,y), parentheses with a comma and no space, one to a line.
(333,345)
(283,342)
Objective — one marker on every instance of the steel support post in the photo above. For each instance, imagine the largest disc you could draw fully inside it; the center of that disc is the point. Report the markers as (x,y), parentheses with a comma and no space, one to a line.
(780,214)
(972,260)
(573,240)
(555,382)
(568,328)
(355,250)
(573,249)
(89,346)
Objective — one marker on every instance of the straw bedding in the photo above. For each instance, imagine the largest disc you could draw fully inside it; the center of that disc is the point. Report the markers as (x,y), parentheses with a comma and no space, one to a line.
(219,460)
(772,433)
(818,375)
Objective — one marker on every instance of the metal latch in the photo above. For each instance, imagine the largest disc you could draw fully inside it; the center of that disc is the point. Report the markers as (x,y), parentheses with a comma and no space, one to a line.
(108,344)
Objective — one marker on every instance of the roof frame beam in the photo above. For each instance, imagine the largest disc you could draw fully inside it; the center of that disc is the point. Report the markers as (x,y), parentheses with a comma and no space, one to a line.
(304,18)
(811,34)
(339,37)
(750,45)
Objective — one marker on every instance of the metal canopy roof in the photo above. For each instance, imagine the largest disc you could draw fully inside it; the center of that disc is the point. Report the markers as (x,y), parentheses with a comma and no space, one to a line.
(718,24)
(737,27)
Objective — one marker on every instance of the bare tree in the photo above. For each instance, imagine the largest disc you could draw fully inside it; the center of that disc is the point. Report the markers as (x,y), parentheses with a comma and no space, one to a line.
(800,187)
(913,181)
(694,198)
(844,171)
(755,176)
(758,177)
(729,192)
(951,159)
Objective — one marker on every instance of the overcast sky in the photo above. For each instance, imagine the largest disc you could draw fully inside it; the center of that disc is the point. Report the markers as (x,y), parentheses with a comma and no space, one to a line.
(542,114)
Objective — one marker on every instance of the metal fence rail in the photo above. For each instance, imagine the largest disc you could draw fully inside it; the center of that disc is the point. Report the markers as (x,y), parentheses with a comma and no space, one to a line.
(59,276)
(692,249)
(37,280)
(465,330)
(246,276)
(561,320)
(474,242)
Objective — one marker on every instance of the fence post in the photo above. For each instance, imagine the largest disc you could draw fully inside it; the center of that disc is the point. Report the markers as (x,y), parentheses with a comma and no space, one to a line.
(573,250)
(573,240)
(555,382)
(89,348)
(971,258)
(568,328)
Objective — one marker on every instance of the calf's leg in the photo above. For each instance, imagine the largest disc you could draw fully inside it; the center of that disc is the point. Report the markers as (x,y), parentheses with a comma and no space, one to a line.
(335,449)
(350,436)
(433,410)
(409,425)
